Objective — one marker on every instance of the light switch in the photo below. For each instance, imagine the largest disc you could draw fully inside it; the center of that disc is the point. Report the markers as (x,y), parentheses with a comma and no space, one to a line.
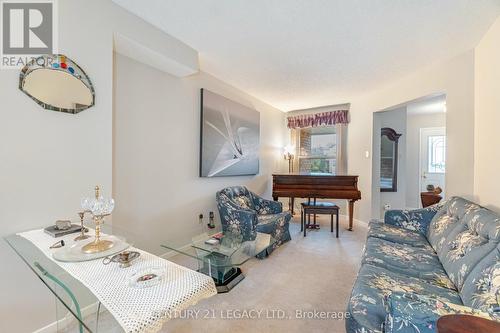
(367,154)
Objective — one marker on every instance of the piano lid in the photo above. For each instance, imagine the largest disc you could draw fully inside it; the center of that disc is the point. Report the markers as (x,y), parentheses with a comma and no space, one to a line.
(321,174)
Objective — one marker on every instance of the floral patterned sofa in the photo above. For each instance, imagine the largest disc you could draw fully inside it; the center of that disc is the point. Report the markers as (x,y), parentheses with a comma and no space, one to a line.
(245,213)
(422,264)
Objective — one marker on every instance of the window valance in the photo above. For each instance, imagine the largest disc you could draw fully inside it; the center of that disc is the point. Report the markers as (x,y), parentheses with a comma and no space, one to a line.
(319,119)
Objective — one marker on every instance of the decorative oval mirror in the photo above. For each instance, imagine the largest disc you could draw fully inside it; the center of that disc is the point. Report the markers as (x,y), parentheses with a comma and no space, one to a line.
(57,83)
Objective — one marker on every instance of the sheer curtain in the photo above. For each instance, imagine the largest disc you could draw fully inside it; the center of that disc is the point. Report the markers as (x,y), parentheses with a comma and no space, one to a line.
(341,130)
(295,141)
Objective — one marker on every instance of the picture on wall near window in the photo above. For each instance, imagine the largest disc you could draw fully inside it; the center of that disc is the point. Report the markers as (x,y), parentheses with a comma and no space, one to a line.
(229,137)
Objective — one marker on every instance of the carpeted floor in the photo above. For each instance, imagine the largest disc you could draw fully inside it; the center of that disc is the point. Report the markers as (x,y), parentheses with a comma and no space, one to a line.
(306,274)
(315,273)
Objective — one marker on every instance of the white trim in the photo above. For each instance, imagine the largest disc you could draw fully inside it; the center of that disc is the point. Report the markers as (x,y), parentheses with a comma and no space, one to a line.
(353,220)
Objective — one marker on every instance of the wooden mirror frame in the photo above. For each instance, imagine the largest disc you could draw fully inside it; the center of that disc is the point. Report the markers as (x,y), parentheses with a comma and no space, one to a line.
(392,135)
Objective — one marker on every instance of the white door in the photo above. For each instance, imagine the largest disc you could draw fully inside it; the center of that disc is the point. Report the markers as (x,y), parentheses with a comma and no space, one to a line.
(432,158)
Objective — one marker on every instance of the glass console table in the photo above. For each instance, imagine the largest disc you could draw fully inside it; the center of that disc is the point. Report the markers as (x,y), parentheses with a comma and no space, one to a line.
(77,309)
(222,261)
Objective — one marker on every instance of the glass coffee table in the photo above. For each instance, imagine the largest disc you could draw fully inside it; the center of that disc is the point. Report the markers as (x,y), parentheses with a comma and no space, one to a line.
(222,260)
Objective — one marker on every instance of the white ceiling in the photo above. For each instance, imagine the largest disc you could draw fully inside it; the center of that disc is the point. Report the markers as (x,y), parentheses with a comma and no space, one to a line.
(296,54)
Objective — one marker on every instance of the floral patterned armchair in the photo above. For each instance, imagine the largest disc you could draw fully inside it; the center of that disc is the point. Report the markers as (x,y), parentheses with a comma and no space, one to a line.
(422,264)
(245,213)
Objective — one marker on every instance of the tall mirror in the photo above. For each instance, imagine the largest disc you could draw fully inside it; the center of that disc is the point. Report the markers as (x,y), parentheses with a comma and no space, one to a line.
(57,83)
(389,160)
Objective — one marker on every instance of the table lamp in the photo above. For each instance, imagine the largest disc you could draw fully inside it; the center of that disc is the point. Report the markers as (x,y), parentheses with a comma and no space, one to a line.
(288,154)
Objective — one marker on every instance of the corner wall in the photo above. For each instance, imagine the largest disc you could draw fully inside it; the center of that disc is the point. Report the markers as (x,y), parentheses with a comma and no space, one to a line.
(487,119)
(156,153)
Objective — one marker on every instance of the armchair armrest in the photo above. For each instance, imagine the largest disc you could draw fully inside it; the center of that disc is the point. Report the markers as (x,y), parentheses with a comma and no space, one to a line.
(416,220)
(264,207)
(412,313)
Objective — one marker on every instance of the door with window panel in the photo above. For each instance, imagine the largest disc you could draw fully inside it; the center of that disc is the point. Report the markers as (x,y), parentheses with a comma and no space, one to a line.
(432,158)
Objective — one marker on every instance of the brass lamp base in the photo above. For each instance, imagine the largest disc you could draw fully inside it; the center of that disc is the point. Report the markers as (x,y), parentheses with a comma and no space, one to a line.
(98,246)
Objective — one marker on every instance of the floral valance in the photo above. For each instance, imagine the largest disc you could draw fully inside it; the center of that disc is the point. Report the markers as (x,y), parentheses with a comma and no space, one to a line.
(319,119)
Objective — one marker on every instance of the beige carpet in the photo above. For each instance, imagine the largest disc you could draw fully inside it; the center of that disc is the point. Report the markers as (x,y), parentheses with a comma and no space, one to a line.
(312,273)
(306,274)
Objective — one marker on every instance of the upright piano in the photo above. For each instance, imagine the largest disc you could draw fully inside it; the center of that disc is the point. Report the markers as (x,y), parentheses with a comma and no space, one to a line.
(317,185)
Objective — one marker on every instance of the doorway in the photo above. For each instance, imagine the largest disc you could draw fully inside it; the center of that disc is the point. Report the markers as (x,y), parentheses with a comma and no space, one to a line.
(421,156)
(432,158)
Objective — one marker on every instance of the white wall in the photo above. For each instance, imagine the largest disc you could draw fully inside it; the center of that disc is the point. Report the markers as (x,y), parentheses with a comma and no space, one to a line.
(375,171)
(487,119)
(415,123)
(49,160)
(156,152)
(455,78)
(395,119)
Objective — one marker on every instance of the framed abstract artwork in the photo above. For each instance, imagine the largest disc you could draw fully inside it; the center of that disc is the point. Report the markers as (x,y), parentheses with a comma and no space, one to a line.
(229,137)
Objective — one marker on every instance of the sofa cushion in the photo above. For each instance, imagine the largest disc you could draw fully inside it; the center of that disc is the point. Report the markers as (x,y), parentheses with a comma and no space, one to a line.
(419,262)
(396,234)
(412,313)
(446,219)
(477,234)
(482,287)
(415,220)
(366,305)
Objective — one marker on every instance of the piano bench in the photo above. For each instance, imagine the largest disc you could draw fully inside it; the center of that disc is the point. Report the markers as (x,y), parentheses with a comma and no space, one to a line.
(320,208)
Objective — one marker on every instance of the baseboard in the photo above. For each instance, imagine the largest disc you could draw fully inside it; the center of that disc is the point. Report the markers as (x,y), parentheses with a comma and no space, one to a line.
(353,220)
(68,319)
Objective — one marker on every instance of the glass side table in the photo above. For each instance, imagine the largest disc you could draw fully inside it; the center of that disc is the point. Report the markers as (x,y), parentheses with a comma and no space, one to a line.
(222,261)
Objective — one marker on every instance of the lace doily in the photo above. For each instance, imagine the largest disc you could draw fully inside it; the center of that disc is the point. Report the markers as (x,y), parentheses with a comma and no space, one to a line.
(135,309)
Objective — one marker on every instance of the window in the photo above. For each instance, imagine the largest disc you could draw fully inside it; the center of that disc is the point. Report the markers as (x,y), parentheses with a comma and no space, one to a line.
(437,154)
(318,150)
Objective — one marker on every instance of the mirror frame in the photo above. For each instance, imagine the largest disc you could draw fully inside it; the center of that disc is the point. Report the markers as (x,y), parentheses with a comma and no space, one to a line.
(393,136)
(57,62)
